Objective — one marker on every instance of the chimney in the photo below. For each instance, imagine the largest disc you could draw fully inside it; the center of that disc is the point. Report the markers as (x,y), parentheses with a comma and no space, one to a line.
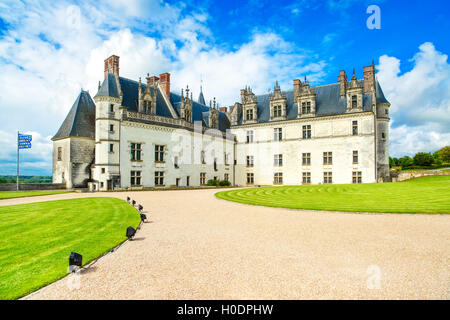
(165,83)
(297,86)
(369,78)
(151,80)
(223,109)
(342,79)
(243,93)
(112,65)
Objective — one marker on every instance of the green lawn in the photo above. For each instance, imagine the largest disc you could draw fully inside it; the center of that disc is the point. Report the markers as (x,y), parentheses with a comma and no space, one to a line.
(21,194)
(422,195)
(37,238)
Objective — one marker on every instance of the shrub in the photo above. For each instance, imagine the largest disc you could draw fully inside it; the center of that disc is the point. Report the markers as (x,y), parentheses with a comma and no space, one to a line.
(423,159)
(224,183)
(212,182)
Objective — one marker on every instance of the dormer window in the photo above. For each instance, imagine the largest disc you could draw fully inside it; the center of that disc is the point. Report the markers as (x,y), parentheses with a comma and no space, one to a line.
(354,102)
(306,107)
(249,114)
(277,111)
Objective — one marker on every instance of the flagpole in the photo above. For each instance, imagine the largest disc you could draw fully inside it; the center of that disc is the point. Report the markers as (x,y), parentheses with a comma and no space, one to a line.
(17,181)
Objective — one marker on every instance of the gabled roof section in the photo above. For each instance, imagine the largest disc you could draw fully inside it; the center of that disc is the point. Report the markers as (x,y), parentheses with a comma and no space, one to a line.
(328,103)
(380,95)
(80,121)
(109,87)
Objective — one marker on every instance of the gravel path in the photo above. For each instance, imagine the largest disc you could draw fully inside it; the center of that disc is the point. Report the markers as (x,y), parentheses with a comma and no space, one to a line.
(199,247)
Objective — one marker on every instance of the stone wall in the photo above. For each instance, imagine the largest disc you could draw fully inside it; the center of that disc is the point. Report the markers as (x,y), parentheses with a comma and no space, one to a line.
(32,186)
(406,175)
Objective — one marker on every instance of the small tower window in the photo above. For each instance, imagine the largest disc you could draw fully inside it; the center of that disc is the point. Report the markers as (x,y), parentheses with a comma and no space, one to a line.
(59,153)
(355,128)
(354,102)
(111,108)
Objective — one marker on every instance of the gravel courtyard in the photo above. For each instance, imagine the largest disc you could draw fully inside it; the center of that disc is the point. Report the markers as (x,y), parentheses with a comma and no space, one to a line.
(196,246)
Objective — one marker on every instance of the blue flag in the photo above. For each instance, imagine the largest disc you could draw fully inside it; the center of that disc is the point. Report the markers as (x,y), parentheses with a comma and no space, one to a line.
(24,141)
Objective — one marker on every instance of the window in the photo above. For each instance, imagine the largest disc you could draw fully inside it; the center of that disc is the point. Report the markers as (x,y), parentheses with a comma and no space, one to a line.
(159,178)
(306,178)
(111,147)
(250,161)
(306,159)
(277,134)
(111,108)
(226,177)
(355,128)
(175,162)
(159,153)
(327,177)
(111,128)
(215,164)
(202,157)
(135,178)
(354,102)
(101,184)
(278,160)
(249,114)
(355,156)
(187,181)
(250,178)
(276,111)
(59,153)
(225,158)
(386,111)
(382,135)
(327,158)
(307,132)
(249,136)
(278,178)
(136,152)
(202,178)
(306,107)
(103,170)
(356,177)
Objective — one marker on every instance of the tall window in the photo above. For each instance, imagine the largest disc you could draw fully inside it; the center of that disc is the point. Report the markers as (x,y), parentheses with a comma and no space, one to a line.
(276,111)
(278,178)
(249,136)
(159,153)
(250,161)
(250,178)
(249,114)
(306,178)
(354,128)
(307,132)
(111,147)
(225,158)
(355,156)
(328,158)
(135,178)
(215,164)
(111,108)
(59,153)
(136,152)
(202,178)
(175,162)
(354,102)
(111,128)
(306,159)
(278,160)
(356,177)
(277,134)
(327,177)
(159,178)
(226,177)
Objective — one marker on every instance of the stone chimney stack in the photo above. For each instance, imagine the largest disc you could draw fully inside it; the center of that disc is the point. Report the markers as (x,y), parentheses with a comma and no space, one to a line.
(223,109)
(165,83)
(342,79)
(112,65)
(151,80)
(297,86)
(369,78)
(243,93)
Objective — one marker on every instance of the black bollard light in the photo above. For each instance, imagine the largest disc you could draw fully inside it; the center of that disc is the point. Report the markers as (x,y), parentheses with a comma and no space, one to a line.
(130,232)
(128,199)
(75,259)
(140,208)
(133,202)
(143,217)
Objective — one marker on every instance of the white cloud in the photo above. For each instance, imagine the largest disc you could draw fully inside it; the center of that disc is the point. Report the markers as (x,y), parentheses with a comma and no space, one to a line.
(420,101)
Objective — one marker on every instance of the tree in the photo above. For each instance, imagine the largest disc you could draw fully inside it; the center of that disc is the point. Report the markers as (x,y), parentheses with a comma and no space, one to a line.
(444,154)
(405,161)
(423,159)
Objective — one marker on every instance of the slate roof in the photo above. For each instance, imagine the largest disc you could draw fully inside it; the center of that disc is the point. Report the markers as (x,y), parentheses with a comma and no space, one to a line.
(328,102)
(109,87)
(201,98)
(80,121)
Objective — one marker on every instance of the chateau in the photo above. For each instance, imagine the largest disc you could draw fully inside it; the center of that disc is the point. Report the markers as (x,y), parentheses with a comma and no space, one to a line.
(135,134)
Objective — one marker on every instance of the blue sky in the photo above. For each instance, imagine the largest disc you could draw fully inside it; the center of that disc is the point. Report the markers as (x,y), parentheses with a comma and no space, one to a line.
(49,51)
